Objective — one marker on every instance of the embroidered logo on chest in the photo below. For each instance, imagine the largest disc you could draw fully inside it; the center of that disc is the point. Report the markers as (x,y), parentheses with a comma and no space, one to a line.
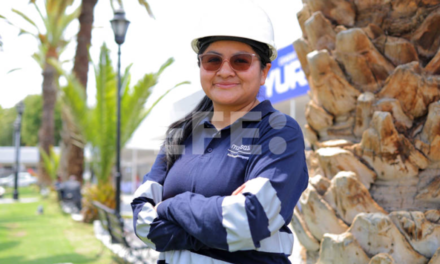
(242,151)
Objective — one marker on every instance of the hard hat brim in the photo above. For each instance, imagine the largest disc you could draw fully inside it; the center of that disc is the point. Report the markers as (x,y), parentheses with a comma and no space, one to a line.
(195,47)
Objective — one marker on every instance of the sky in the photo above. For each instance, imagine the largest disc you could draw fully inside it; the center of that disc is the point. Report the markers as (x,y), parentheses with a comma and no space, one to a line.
(149,43)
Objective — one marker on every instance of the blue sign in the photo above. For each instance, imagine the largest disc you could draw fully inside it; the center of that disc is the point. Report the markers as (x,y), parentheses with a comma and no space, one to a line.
(286,78)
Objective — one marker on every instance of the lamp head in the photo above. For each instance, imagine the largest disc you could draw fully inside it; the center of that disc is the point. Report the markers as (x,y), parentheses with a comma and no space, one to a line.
(119,26)
(20,108)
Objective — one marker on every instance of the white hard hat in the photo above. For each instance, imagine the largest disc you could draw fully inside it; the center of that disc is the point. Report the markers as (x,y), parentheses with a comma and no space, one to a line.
(238,18)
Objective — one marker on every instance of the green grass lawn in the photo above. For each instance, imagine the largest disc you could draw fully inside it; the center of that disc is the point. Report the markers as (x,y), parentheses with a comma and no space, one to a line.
(53,237)
(23,192)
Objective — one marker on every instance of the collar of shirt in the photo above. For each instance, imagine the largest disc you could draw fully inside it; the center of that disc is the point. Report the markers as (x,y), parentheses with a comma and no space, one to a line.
(256,114)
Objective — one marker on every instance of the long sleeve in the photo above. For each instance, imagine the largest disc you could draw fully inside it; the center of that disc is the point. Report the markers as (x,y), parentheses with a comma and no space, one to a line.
(275,177)
(159,234)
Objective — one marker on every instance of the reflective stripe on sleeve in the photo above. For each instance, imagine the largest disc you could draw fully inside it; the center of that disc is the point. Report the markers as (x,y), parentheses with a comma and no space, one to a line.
(279,242)
(151,190)
(144,220)
(236,223)
(267,196)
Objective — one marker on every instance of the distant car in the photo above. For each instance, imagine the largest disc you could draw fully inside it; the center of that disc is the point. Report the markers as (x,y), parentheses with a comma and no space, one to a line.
(24,179)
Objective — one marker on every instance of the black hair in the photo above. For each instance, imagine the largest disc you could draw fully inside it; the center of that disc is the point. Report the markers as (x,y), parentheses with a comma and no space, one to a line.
(180,130)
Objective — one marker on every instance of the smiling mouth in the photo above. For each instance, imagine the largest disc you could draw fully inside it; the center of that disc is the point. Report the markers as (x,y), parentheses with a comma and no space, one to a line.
(226,85)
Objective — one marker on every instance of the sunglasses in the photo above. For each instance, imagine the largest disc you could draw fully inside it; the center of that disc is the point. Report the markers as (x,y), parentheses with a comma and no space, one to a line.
(238,62)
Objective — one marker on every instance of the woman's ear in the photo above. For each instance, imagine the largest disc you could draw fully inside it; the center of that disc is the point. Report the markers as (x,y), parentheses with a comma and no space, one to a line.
(265,71)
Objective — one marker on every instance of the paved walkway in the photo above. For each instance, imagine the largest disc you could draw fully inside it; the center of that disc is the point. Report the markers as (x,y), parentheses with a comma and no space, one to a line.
(144,256)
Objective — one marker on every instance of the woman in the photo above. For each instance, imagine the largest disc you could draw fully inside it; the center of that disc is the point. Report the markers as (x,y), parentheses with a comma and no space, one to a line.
(224,186)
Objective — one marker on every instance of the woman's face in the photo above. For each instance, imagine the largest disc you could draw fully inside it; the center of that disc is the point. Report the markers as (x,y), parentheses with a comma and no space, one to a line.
(226,86)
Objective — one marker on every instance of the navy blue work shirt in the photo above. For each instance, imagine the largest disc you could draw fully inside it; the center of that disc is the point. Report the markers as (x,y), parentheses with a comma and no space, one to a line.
(199,220)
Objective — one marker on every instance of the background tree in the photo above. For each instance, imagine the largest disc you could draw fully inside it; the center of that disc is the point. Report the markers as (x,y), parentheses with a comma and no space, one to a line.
(52,43)
(374,126)
(72,161)
(97,124)
(51,162)
(32,120)
(7,118)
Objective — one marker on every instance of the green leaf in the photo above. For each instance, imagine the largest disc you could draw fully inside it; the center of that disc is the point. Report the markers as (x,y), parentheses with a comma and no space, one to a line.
(98,123)
(25,17)
(67,19)
(165,65)
(51,162)
(147,6)
(120,3)
(13,70)
(22,32)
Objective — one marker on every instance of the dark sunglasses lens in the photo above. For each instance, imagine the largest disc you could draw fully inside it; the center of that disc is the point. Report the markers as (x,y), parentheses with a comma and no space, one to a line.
(241,62)
(211,62)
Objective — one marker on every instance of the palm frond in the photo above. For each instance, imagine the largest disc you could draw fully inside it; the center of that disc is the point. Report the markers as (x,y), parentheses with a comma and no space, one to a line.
(147,6)
(164,66)
(13,70)
(51,161)
(146,112)
(120,3)
(25,17)
(43,18)
(23,31)
(98,123)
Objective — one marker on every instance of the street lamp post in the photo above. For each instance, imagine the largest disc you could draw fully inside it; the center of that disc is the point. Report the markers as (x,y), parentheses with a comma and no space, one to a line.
(119,26)
(17,126)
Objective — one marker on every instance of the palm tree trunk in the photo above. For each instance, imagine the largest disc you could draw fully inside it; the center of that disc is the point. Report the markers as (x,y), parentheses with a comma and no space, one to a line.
(72,162)
(81,66)
(47,130)
(373,123)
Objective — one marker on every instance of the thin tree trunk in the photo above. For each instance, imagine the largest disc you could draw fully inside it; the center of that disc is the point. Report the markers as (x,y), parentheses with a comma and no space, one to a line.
(72,162)
(81,66)
(47,130)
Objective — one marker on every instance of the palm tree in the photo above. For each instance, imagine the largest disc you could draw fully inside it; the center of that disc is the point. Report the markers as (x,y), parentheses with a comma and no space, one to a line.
(374,127)
(97,124)
(73,148)
(52,42)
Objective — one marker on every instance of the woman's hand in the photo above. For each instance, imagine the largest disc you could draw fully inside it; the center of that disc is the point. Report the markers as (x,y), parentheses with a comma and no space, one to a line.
(155,208)
(239,189)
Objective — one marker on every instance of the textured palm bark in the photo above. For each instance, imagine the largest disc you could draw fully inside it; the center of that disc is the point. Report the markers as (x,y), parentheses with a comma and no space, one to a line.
(320,32)
(349,197)
(304,235)
(373,68)
(366,67)
(72,162)
(376,233)
(47,129)
(341,249)
(334,93)
(334,160)
(428,141)
(391,154)
(382,258)
(314,209)
(420,232)
(436,258)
